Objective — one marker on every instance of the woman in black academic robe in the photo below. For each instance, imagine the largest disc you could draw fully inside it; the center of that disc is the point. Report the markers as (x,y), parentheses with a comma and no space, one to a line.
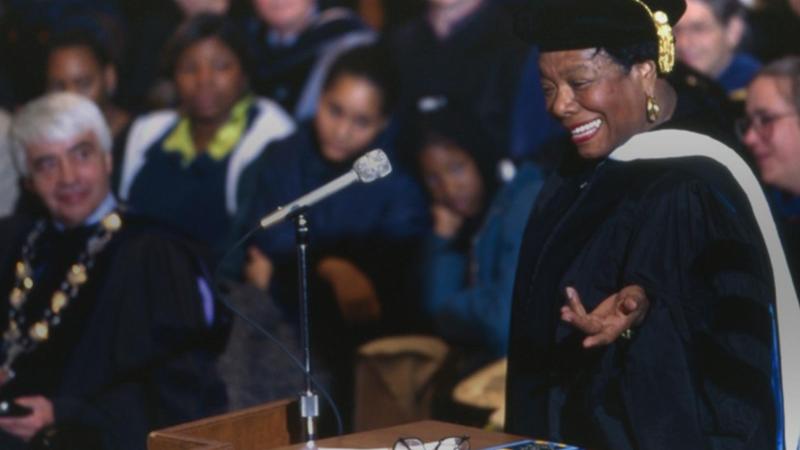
(643,297)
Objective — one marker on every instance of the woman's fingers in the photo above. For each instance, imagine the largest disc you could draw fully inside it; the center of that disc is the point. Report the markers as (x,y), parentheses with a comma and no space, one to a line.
(597,340)
(574,301)
(575,314)
(634,304)
(609,319)
(610,326)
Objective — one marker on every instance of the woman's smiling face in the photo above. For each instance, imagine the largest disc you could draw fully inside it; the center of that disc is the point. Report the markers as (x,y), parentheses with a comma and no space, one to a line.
(594,97)
(210,79)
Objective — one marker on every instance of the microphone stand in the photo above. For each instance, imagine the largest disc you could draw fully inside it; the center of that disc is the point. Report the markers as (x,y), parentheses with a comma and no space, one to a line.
(309,400)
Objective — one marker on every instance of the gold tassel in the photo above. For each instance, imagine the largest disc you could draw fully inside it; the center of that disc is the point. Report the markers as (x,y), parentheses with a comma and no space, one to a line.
(666,40)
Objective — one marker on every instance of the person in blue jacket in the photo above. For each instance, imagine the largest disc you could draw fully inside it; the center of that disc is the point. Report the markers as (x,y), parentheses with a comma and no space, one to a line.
(361,240)
(360,237)
(471,251)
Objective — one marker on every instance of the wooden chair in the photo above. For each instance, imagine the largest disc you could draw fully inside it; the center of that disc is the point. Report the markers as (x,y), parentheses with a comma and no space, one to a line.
(486,389)
(395,380)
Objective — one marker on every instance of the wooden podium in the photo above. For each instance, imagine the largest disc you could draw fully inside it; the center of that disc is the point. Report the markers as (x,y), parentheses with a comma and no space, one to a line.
(276,426)
(271,425)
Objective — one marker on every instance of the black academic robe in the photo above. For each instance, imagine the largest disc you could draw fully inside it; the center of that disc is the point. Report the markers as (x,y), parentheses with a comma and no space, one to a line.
(131,352)
(697,372)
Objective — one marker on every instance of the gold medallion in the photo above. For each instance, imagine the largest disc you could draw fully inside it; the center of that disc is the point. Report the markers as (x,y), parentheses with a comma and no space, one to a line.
(58,302)
(23,271)
(112,222)
(16,297)
(77,275)
(14,340)
(40,331)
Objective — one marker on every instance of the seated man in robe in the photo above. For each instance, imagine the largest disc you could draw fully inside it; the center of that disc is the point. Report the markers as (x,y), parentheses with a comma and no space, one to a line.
(104,328)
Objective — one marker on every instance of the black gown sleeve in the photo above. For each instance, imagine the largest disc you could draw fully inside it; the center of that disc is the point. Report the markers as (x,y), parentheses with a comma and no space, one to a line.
(162,369)
(697,374)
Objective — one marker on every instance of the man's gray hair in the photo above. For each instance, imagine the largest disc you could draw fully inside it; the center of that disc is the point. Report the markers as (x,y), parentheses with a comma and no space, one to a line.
(56,117)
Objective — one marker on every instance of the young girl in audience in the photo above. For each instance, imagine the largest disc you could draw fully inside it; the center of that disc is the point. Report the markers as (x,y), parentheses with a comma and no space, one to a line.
(362,239)
(471,252)
(359,234)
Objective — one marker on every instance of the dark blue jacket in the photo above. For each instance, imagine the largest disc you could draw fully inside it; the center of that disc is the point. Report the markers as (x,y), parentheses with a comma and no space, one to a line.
(374,225)
(469,295)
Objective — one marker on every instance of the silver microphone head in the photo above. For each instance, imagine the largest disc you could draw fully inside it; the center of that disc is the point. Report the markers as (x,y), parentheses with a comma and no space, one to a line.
(372,165)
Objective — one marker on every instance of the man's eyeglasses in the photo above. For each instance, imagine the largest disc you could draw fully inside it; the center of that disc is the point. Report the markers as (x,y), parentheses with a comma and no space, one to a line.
(448,443)
(762,124)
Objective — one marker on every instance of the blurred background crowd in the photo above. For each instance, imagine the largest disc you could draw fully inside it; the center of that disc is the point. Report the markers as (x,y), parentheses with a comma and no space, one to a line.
(223,110)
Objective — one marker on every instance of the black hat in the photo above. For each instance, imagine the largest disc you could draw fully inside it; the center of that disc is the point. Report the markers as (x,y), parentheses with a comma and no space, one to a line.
(576,24)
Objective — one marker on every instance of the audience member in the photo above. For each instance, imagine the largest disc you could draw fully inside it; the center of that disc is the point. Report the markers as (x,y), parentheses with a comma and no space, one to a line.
(471,253)
(359,226)
(707,38)
(462,51)
(771,130)
(183,166)
(294,43)
(28,25)
(100,351)
(77,62)
(150,25)
(362,239)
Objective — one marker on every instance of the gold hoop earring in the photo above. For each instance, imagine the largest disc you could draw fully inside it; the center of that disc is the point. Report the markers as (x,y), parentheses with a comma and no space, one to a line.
(653,110)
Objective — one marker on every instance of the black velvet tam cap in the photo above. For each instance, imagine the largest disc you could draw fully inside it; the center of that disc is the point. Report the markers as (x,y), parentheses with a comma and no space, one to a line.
(576,24)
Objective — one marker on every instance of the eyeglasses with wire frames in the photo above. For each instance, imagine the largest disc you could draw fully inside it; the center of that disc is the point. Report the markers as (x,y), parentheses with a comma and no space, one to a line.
(762,123)
(446,443)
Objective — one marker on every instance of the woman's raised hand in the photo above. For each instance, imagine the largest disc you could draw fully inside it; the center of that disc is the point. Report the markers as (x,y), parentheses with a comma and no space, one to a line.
(612,318)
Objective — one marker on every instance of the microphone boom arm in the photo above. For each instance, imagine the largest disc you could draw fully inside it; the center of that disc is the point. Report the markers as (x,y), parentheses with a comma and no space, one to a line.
(282,213)
(368,168)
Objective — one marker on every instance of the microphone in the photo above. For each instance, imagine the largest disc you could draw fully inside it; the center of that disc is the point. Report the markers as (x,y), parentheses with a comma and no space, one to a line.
(368,168)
